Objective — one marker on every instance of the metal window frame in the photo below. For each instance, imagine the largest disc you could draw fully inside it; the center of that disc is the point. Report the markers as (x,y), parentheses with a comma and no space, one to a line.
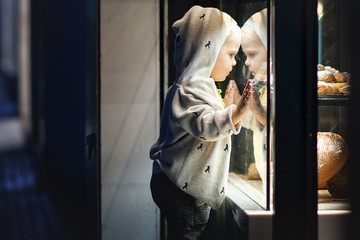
(295,192)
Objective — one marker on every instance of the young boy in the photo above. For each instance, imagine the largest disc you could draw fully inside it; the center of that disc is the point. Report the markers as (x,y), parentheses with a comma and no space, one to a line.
(191,156)
(254,45)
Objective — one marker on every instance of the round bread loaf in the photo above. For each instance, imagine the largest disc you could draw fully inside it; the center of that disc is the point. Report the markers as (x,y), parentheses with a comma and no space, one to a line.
(332,154)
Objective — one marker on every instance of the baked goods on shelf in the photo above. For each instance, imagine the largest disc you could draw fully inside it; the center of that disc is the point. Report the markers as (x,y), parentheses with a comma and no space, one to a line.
(324,88)
(332,154)
(339,185)
(325,76)
(333,88)
(331,81)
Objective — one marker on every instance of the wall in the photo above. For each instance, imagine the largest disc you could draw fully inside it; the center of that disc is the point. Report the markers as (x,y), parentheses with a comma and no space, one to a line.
(129,116)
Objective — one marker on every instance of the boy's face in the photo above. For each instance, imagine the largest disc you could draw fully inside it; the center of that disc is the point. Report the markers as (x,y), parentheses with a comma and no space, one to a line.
(225,61)
(256,57)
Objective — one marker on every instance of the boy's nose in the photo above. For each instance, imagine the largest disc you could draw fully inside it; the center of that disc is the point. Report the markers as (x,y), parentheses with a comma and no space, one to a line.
(233,62)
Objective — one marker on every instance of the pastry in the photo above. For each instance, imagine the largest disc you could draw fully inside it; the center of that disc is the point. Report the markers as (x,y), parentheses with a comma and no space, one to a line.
(320,67)
(332,154)
(342,87)
(340,77)
(325,89)
(326,76)
(331,81)
(331,69)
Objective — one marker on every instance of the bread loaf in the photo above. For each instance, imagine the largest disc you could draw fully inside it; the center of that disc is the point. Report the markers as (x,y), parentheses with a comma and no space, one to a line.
(332,154)
(339,185)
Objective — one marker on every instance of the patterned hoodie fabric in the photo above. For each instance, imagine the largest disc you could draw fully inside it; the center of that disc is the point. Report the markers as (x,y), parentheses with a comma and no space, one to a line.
(194,145)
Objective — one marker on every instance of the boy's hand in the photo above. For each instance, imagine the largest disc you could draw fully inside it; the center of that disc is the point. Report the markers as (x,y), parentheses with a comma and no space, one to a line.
(242,104)
(257,108)
(255,105)
(232,94)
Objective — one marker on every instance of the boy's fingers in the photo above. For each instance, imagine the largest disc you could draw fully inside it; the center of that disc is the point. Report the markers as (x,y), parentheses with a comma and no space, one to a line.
(234,85)
(230,84)
(228,87)
(247,88)
(248,84)
(229,92)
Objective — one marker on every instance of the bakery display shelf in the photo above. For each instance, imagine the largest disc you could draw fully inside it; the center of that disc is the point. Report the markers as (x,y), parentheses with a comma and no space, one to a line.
(327,202)
(333,100)
(254,183)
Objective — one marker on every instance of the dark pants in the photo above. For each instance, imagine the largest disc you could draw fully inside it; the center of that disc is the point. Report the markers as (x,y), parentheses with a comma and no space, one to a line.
(186,216)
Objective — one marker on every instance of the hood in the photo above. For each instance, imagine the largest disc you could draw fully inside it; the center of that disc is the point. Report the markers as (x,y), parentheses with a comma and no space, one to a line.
(258,22)
(200,33)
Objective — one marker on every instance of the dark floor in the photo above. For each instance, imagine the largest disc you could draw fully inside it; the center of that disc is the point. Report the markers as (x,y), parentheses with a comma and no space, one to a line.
(26,211)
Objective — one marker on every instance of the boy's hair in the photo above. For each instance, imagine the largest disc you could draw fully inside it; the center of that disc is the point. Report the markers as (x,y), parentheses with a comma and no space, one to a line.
(249,33)
(234,35)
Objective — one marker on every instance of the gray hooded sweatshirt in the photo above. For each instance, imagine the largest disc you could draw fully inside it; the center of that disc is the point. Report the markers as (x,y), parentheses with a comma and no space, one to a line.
(194,145)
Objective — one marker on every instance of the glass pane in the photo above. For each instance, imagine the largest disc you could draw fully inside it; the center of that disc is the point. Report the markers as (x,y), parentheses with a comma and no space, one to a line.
(249,162)
(333,97)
